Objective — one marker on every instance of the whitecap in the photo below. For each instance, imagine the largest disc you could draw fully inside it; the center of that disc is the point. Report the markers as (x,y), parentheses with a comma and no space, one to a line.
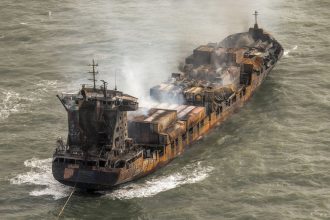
(10,103)
(287,52)
(14,102)
(46,85)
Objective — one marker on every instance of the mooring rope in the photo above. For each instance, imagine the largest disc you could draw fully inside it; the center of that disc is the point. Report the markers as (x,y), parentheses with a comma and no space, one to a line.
(74,188)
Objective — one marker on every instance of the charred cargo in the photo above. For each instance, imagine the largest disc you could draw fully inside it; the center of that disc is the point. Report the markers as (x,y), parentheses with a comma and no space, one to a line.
(112,141)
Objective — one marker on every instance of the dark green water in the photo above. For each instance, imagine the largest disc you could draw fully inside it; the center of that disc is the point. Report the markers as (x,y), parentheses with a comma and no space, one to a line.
(269,161)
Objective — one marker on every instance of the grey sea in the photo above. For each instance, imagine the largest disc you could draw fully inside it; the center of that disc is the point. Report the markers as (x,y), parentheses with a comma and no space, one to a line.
(269,161)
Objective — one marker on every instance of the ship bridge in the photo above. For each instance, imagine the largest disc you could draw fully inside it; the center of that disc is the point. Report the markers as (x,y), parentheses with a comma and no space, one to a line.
(97,117)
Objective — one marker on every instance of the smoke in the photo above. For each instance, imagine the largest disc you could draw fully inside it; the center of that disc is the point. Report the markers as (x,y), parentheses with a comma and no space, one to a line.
(151,38)
(230,76)
(136,81)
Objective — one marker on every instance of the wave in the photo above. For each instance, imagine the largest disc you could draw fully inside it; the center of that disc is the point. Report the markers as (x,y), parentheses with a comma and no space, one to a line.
(44,88)
(187,175)
(46,85)
(10,103)
(14,102)
(41,175)
(289,51)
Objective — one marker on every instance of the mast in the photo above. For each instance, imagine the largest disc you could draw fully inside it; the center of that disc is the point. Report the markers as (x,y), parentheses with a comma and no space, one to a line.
(93,65)
(255,19)
(116,80)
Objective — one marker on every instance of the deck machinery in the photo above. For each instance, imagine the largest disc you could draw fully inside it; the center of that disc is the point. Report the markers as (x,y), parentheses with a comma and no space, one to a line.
(111,141)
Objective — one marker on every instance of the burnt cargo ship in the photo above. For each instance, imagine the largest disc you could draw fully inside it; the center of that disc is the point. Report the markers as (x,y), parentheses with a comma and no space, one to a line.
(112,141)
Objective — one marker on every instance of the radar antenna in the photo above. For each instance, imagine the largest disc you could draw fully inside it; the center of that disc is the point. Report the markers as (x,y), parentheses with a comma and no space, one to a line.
(255,19)
(93,65)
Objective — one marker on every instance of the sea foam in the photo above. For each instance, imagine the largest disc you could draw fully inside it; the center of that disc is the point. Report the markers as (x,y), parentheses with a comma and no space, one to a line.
(40,175)
(287,52)
(10,103)
(187,175)
(15,102)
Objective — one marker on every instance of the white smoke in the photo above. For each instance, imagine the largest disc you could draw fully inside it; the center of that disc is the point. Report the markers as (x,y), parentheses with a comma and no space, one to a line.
(149,48)
(136,82)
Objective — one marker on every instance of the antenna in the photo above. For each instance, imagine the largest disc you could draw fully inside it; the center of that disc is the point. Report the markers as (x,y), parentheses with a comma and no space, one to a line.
(115,80)
(93,65)
(255,19)
(104,88)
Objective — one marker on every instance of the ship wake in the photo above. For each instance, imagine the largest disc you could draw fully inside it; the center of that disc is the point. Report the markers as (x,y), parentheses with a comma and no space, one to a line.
(187,175)
(40,175)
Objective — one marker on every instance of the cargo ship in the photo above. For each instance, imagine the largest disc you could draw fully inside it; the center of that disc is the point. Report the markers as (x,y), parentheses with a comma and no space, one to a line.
(112,141)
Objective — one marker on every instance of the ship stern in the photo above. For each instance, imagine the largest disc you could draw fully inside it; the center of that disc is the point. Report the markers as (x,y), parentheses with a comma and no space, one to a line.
(84,177)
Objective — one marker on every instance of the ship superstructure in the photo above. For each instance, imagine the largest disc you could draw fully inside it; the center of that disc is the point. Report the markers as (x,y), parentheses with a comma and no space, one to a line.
(111,141)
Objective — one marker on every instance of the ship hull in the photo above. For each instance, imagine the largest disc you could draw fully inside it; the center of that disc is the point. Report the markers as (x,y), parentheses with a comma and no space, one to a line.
(92,178)
(96,179)
(74,170)
(84,178)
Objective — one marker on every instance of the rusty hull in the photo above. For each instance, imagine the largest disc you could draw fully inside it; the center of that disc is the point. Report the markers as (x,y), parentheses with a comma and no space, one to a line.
(127,148)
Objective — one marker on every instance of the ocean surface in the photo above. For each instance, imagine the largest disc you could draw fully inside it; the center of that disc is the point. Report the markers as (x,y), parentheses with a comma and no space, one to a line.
(271,160)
